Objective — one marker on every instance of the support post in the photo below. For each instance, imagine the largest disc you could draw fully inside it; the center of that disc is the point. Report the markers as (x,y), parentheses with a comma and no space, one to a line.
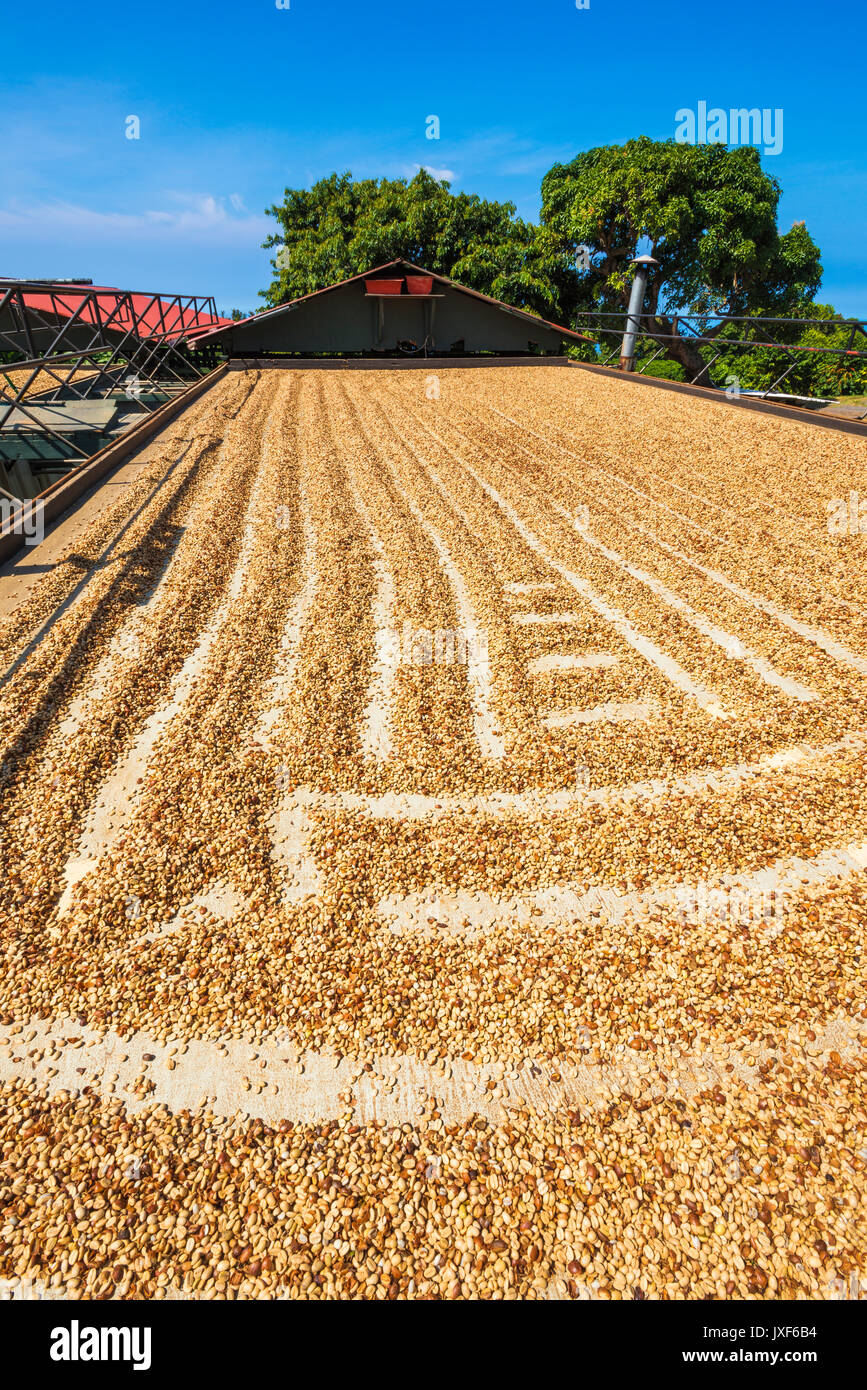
(636,305)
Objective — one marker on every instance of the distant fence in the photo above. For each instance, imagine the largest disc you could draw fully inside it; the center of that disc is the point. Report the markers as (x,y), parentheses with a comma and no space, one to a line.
(723,340)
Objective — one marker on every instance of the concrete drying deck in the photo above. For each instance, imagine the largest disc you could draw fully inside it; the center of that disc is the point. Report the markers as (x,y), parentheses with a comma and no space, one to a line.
(435,832)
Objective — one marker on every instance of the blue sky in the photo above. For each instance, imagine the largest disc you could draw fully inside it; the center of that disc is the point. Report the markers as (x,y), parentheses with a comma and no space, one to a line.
(237,101)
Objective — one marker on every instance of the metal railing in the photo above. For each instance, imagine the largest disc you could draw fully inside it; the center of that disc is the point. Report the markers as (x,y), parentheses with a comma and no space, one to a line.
(699,330)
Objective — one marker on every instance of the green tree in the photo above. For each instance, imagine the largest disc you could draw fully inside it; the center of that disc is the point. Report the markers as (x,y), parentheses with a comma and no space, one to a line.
(811,372)
(342,227)
(708,214)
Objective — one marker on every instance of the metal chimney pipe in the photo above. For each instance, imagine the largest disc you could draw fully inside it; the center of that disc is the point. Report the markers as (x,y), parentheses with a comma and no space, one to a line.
(636,304)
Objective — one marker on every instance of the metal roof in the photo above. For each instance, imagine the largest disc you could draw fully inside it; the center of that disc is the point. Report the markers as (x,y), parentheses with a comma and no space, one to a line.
(149,315)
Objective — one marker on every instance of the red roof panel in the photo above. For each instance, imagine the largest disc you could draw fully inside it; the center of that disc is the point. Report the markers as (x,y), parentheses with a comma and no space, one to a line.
(148,315)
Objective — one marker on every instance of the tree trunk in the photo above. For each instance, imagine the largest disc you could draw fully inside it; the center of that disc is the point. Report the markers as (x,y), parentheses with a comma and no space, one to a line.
(684,351)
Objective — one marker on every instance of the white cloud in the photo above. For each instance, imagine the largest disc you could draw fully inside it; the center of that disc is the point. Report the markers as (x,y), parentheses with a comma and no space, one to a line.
(437,173)
(196,217)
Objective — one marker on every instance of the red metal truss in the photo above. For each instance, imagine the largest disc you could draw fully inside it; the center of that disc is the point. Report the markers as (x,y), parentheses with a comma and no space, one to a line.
(58,327)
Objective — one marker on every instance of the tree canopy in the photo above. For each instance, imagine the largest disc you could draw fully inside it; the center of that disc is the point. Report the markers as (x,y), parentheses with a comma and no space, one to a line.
(708,214)
(342,227)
